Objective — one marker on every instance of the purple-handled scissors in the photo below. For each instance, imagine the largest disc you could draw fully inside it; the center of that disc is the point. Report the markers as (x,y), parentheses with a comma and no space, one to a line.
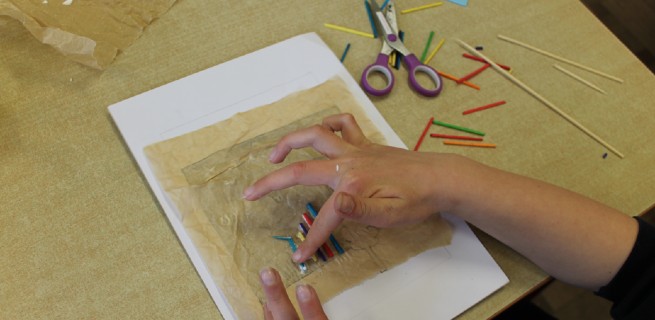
(388,28)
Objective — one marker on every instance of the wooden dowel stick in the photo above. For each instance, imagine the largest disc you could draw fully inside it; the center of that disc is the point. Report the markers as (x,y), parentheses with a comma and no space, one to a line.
(548,54)
(540,98)
(576,77)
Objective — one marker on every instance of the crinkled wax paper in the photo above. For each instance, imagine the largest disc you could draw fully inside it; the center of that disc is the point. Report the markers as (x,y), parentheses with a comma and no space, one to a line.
(205,172)
(90,32)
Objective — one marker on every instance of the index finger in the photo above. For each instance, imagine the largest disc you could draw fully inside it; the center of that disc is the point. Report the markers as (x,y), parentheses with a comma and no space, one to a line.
(326,221)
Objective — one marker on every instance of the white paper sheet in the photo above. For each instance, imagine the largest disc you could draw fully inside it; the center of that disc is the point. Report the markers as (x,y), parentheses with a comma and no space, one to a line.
(437,284)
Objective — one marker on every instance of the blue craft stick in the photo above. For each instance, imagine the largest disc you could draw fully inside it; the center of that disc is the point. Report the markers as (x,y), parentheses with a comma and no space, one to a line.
(370,18)
(303,229)
(345,52)
(311,210)
(384,4)
(333,240)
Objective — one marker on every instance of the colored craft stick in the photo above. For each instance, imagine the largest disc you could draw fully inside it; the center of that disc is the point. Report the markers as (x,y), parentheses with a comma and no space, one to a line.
(384,4)
(468,56)
(434,51)
(309,222)
(473,74)
(345,52)
(427,6)
(427,46)
(333,240)
(541,99)
(370,18)
(399,58)
(311,210)
(352,31)
(425,131)
(551,55)
(456,127)
(576,77)
(462,3)
(485,107)
(469,144)
(448,136)
(301,237)
(452,77)
(304,231)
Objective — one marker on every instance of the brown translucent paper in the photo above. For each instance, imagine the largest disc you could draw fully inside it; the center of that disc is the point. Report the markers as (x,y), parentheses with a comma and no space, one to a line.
(204,173)
(87,31)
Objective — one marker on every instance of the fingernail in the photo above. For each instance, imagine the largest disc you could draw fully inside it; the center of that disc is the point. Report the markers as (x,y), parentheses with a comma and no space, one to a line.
(248,192)
(267,276)
(303,293)
(272,155)
(345,203)
(296,256)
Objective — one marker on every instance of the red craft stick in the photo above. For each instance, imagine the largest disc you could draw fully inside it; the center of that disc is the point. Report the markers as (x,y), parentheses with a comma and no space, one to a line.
(310,221)
(448,136)
(473,74)
(425,131)
(491,105)
(466,55)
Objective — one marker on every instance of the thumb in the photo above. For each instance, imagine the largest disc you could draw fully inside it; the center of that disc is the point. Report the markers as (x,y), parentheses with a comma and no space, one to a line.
(377,212)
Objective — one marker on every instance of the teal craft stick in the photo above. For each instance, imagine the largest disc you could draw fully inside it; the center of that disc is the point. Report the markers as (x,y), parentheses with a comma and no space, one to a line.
(289,240)
(370,18)
(384,4)
(345,52)
(452,126)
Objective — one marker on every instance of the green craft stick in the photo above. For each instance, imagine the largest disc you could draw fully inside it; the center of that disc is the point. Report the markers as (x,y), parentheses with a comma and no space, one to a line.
(452,126)
(427,46)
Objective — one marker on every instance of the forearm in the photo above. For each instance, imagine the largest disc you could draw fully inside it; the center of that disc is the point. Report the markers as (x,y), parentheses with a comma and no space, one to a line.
(571,237)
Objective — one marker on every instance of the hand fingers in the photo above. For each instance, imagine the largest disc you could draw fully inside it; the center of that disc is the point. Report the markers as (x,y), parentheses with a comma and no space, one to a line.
(346,124)
(377,212)
(307,173)
(310,305)
(318,137)
(326,221)
(277,300)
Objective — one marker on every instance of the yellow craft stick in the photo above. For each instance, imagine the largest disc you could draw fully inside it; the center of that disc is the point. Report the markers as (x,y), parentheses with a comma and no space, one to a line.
(344,29)
(432,5)
(469,144)
(302,238)
(577,77)
(434,51)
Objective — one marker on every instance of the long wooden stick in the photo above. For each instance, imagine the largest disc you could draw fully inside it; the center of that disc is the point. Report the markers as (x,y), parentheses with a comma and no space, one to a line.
(540,98)
(556,57)
(577,77)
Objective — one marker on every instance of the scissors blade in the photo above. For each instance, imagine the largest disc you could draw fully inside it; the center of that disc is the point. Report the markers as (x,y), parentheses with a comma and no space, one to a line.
(381,20)
(391,16)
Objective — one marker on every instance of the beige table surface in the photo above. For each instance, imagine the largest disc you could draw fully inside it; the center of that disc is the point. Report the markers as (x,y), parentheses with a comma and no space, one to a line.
(81,235)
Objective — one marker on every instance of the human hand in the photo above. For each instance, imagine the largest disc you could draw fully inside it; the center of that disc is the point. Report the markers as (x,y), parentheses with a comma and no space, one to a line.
(278,305)
(373,184)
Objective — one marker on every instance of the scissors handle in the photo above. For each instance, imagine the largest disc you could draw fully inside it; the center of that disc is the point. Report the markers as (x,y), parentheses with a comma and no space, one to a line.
(415,66)
(381,66)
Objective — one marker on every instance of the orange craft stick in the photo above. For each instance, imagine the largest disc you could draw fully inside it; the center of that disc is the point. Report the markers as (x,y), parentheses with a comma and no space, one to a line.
(469,144)
(452,77)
